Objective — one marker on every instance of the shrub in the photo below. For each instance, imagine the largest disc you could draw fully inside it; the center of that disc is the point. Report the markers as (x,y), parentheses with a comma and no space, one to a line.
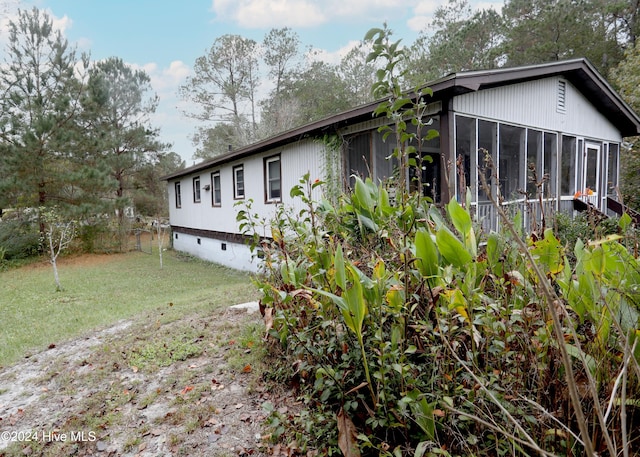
(393,319)
(19,238)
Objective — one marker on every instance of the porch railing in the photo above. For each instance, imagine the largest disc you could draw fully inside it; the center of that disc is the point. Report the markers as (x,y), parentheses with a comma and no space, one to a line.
(532,214)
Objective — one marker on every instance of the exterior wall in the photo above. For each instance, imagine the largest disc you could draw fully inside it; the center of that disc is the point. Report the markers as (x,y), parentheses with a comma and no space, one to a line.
(534,104)
(295,161)
(237,256)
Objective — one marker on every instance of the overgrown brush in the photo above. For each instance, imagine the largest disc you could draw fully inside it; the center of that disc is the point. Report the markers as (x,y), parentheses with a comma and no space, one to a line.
(441,346)
(420,337)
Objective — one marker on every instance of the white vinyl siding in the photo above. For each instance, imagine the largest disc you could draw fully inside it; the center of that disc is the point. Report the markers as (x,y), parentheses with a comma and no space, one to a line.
(534,104)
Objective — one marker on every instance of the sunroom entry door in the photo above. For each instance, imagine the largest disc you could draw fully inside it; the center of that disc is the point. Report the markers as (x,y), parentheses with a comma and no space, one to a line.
(591,172)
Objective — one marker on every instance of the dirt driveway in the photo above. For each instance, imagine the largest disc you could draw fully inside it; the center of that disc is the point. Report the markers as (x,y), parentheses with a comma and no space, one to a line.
(190,387)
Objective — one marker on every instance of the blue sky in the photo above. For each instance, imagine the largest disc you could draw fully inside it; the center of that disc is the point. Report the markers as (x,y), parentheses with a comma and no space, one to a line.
(164,37)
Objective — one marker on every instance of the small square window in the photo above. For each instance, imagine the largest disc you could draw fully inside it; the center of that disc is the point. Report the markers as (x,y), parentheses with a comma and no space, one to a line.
(176,236)
(223,246)
(199,241)
(238,182)
(196,189)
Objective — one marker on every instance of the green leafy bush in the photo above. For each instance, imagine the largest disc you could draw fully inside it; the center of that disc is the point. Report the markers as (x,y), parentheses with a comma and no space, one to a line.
(19,238)
(419,335)
(398,318)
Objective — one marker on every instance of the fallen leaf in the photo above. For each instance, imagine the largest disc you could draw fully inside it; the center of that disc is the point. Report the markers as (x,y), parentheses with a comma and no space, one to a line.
(186,389)
(134,369)
(347,436)
(51,346)
(247,369)
(268,321)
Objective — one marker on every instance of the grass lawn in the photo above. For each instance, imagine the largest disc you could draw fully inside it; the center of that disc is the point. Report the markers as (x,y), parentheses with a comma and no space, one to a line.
(100,290)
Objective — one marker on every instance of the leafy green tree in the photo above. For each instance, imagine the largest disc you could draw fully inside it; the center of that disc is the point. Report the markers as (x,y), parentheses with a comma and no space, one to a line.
(627,80)
(549,30)
(118,104)
(39,101)
(462,40)
(357,75)
(149,191)
(224,86)
(281,56)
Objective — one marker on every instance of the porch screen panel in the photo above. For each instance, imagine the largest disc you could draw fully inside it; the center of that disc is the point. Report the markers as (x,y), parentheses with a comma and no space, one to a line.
(534,162)
(465,158)
(612,169)
(358,157)
(551,161)
(511,169)
(568,166)
(487,145)
(385,164)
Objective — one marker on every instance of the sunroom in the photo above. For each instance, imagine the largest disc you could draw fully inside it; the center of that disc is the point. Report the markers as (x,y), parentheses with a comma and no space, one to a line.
(532,171)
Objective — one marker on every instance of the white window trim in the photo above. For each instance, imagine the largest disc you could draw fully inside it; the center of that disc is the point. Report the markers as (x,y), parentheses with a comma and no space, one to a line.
(178,191)
(214,175)
(236,194)
(197,190)
(267,179)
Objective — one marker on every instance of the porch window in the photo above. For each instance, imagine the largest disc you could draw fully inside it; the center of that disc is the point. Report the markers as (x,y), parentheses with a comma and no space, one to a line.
(216,195)
(568,166)
(550,161)
(511,164)
(487,148)
(178,195)
(613,164)
(358,157)
(535,168)
(196,189)
(272,179)
(238,182)
(465,161)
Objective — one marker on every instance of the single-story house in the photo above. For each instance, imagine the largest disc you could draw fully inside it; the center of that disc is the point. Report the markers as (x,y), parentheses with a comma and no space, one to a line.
(561,120)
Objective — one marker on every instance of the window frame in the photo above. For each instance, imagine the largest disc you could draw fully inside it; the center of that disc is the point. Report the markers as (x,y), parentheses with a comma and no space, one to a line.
(236,194)
(214,203)
(197,190)
(268,198)
(177,188)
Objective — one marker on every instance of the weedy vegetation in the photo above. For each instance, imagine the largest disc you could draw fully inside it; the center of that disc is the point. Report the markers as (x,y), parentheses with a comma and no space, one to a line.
(408,331)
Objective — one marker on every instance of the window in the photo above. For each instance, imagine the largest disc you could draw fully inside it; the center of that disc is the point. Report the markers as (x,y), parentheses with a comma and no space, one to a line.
(568,165)
(216,195)
(487,150)
(511,161)
(196,189)
(178,196)
(238,182)
(535,155)
(465,154)
(612,169)
(272,180)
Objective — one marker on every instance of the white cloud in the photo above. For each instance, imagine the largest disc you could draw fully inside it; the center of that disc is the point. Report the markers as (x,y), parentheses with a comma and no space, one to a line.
(333,58)
(270,13)
(306,13)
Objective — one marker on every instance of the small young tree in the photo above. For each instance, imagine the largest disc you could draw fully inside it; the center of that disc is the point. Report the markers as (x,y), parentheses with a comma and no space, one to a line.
(58,235)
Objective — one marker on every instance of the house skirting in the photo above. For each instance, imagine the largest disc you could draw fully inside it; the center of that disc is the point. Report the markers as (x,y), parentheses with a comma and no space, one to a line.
(228,249)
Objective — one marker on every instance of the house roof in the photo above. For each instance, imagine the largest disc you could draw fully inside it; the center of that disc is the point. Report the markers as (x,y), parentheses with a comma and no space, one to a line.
(580,72)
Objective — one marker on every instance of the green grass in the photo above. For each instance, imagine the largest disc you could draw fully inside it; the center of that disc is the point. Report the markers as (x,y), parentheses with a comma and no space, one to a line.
(105,290)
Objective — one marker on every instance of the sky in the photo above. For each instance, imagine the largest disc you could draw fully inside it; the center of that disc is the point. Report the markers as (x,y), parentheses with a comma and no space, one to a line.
(165,37)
